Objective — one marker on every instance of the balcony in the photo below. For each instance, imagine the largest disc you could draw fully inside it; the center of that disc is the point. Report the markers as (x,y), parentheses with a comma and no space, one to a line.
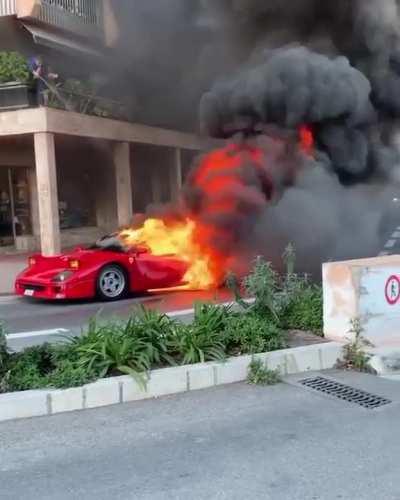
(8,7)
(80,17)
(14,96)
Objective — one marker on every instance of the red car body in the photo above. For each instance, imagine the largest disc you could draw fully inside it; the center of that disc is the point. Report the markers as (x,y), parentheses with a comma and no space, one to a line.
(82,267)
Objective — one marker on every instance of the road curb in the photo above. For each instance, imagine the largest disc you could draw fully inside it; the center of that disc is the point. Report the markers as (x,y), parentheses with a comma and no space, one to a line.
(165,381)
(6,299)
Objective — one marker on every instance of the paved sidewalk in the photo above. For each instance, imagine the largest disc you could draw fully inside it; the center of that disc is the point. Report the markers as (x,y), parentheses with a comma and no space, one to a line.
(10,266)
(236,443)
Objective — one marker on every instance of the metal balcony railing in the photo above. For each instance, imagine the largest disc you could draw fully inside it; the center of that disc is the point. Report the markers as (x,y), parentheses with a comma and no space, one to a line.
(8,7)
(81,17)
(87,11)
(87,104)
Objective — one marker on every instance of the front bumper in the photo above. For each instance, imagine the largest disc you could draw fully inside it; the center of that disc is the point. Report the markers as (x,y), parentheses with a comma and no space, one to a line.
(50,290)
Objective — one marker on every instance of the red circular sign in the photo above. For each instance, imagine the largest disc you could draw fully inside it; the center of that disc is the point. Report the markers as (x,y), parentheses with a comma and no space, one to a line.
(392,290)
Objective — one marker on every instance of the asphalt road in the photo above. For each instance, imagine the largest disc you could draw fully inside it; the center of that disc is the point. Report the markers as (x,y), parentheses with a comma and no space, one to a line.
(234,442)
(29,322)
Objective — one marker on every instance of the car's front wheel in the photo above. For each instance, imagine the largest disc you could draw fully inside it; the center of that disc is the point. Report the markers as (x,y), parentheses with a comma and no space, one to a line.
(112,283)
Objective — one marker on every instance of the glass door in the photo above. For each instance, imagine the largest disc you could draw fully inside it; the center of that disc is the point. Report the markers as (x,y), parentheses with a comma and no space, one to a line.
(20,197)
(7,236)
(15,214)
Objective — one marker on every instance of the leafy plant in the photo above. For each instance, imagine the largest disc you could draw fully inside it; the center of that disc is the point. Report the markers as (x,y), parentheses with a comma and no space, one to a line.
(154,329)
(195,345)
(262,284)
(250,334)
(203,339)
(110,349)
(30,368)
(69,374)
(354,355)
(259,374)
(75,86)
(291,301)
(13,68)
(233,284)
(4,354)
(289,258)
(4,360)
(304,310)
(210,317)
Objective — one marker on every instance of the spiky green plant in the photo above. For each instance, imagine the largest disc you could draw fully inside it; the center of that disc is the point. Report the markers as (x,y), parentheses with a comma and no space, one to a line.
(262,283)
(203,339)
(259,374)
(289,258)
(109,349)
(154,329)
(355,356)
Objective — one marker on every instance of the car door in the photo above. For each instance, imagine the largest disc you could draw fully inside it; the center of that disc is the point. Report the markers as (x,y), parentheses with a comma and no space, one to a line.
(153,271)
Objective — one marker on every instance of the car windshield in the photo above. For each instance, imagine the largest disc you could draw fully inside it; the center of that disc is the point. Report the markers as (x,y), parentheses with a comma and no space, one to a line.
(114,243)
(110,242)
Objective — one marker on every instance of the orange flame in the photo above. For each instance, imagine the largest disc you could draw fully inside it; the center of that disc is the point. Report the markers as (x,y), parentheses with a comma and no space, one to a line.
(175,238)
(306,139)
(199,240)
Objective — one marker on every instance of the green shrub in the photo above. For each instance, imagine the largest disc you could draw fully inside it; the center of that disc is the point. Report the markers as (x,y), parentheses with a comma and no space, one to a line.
(154,329)
(112,349)
(4,355)
(263,284)
(13,68)
(67,370)
(203,339)
(194,345)
(304,311)
(250,333)
(30,368)
(4,361)
(259,374)
(76,86)
(69,374)
(354,355)
(210,317)
(291,302)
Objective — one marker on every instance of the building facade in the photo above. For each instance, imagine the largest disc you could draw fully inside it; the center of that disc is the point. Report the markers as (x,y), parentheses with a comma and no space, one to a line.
(68,175)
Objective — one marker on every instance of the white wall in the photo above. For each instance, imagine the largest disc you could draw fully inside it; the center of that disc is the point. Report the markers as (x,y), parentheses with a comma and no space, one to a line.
(363,289)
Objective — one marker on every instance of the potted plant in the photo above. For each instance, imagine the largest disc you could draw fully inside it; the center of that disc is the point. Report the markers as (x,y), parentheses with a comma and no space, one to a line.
(15,85)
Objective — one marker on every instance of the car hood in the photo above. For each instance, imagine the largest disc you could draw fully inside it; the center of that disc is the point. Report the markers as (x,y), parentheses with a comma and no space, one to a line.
(46,268)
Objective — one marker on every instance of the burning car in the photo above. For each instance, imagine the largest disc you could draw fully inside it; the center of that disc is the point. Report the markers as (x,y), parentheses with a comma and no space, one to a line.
(110,269)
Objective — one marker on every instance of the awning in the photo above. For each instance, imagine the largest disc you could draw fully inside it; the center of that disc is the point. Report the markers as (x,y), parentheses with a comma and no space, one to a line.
(59,42)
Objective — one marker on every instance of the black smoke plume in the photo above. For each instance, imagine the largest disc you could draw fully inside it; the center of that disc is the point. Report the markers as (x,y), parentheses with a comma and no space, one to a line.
(265,67)
(335,67)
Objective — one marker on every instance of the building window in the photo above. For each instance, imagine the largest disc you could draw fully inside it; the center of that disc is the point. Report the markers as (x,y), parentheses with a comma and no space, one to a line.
(76,194)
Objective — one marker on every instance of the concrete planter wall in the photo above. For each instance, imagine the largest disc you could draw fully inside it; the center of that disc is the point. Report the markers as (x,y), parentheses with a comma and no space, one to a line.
(15,95)
(163,382)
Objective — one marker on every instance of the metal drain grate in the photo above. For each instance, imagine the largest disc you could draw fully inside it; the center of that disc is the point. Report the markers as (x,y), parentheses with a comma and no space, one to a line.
(345,392)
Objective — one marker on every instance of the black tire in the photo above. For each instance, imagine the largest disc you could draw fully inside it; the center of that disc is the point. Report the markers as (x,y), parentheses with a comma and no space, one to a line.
(112,283)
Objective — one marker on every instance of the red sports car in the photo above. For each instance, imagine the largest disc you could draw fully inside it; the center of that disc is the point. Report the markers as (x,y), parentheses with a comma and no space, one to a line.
(108,270)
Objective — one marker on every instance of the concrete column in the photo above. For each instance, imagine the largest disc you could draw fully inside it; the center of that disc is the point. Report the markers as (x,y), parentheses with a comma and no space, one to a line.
(122,167)
(34,201)
(46,175)
(176,175)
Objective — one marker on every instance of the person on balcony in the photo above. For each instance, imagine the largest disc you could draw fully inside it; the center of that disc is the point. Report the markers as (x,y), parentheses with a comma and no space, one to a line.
(43,77)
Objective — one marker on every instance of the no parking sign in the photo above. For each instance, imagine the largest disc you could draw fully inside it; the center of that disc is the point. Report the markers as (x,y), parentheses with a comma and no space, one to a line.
(392,290)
